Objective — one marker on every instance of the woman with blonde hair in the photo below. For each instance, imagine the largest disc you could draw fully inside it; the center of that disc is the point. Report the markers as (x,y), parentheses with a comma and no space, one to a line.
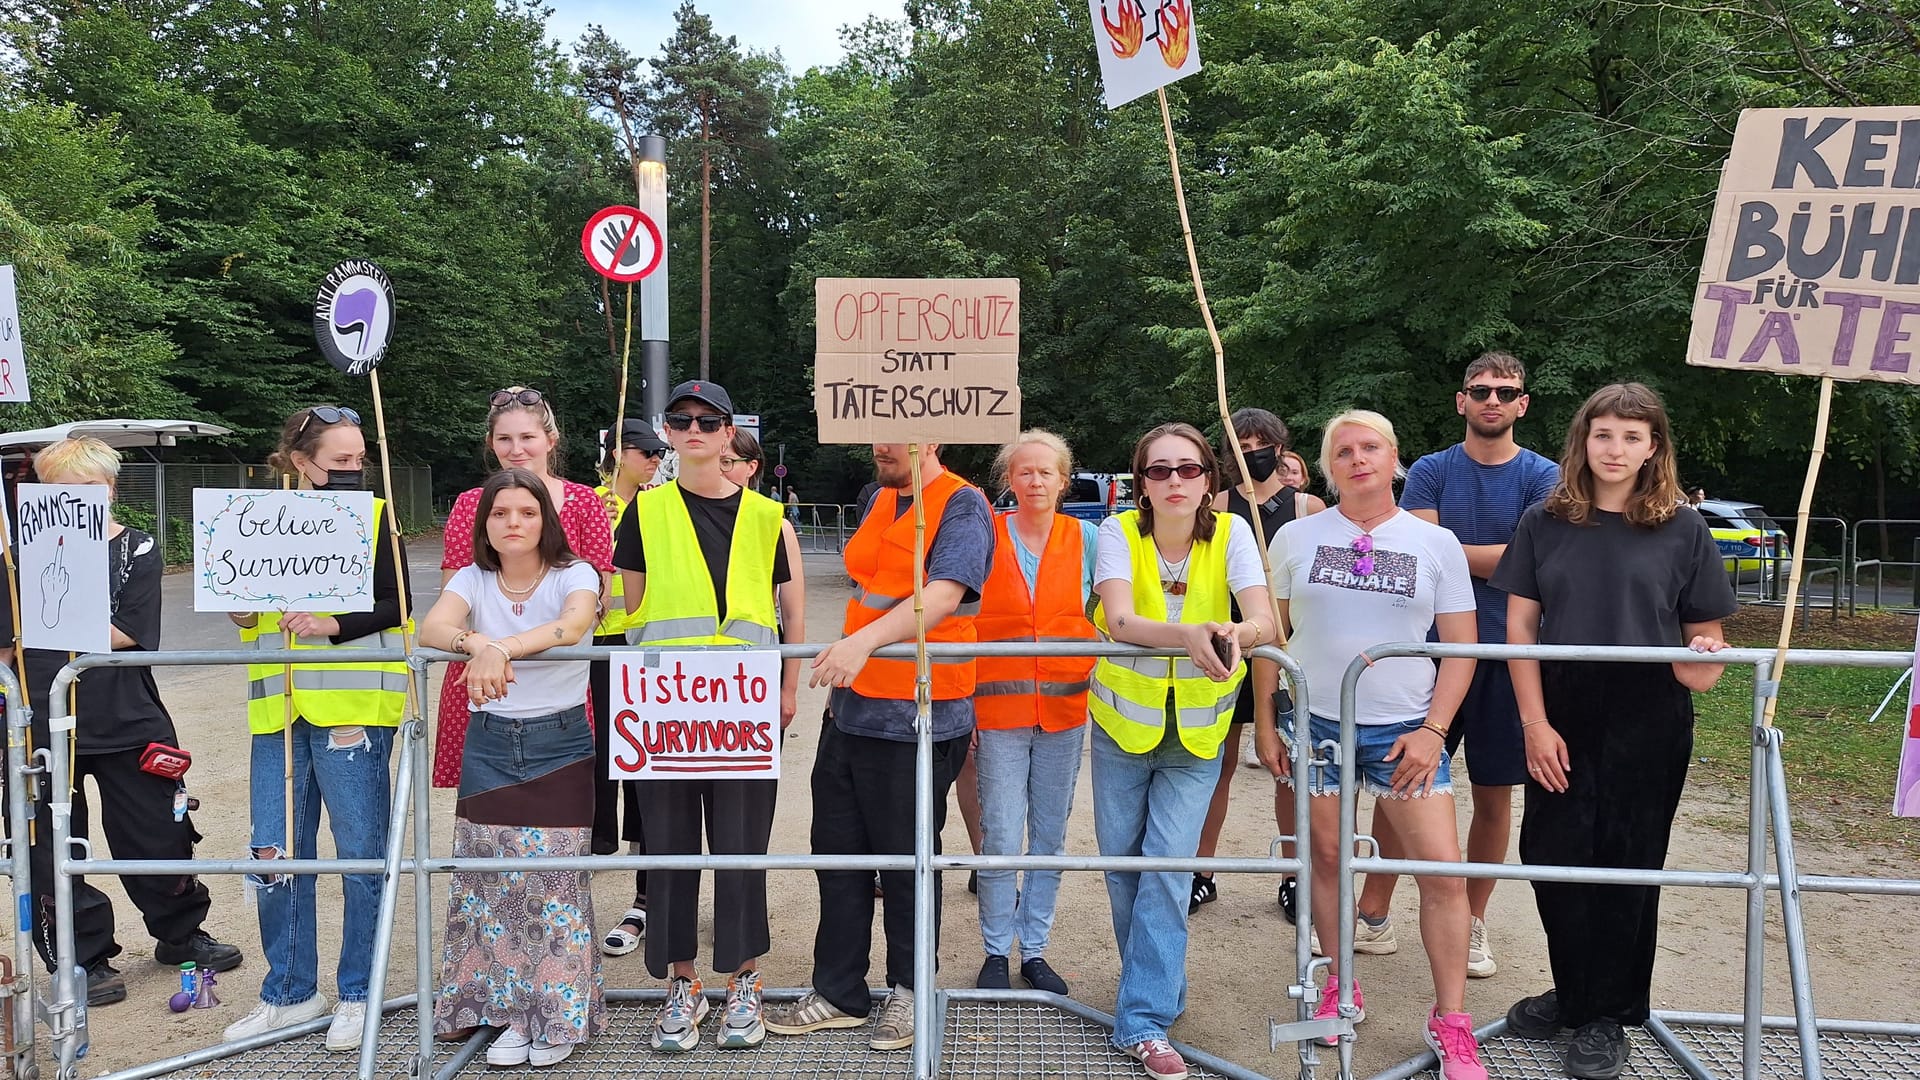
(1030,713)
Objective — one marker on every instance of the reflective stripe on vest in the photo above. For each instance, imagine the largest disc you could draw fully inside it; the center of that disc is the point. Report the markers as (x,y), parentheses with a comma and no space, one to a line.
(680,606)
(617,621)
(1027,691)
(1130,694)
(879,557)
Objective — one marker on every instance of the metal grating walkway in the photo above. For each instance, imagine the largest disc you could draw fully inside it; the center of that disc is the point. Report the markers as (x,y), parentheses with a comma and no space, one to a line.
(1844,1055)
(308,1056)
(1526,1059)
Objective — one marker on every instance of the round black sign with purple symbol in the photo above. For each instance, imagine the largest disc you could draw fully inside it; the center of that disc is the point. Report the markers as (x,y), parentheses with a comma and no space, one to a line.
(353,316)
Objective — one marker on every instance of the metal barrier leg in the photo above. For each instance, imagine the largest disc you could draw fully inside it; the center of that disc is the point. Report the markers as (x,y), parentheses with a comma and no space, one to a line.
(389,899)
(1801,978)
(925,951)
(20,858)
(423,906)
(1755,995)
(66,995)
(1349,806)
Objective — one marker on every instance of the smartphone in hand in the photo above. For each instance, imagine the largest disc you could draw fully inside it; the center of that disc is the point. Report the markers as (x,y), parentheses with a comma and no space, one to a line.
(1223,648)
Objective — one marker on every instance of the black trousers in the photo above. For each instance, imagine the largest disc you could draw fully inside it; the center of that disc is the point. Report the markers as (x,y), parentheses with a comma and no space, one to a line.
(738,821)
(136,812)
(1629,735)
(863,805)
(610,827)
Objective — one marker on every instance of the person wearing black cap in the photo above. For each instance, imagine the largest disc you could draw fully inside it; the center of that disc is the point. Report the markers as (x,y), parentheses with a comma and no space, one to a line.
(628,472)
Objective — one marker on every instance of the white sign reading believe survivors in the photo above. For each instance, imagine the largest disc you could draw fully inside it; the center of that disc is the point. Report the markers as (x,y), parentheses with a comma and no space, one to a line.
(282,550)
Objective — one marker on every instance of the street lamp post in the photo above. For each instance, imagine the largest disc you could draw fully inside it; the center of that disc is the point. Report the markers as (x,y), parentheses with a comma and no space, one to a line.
(652,181)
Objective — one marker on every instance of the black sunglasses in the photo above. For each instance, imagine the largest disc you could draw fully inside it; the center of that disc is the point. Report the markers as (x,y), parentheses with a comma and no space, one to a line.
(329,415)
(709,423)
(1187,471)
(502,398)
(1481,392)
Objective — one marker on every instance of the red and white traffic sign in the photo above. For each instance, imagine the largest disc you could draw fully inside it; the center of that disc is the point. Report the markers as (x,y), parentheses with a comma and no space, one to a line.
(622,243)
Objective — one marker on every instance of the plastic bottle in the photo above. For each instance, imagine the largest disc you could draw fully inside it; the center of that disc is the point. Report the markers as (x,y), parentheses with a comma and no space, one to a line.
(189,988)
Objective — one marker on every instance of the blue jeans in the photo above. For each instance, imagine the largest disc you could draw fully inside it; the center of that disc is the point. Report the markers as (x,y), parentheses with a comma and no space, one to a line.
(1026,787)
(346,769)
(1150,804)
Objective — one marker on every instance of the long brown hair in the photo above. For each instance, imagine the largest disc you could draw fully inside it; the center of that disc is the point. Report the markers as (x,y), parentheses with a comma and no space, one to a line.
(554,550)
(1203,518)
(1656,491)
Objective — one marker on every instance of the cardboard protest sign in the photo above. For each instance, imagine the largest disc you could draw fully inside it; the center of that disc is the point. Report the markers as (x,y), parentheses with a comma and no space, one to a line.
(65,597)
(696,715)
(13,355)
(1812,264)
(353,316)
(1906,786)
(1143,45)
(282,550)
(917,360)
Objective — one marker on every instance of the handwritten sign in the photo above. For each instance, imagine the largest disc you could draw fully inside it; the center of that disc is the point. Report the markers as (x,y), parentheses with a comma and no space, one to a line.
(282,550)
(353,316)
(1143,45)
(1906,790)
(65,595)
(696,715)
(13,355)
(928,360)
(1813,257)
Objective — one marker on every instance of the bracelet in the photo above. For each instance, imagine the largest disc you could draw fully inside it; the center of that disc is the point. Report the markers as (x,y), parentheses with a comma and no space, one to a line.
(1529,723)
(457,639)
(1436,729)
(504,651)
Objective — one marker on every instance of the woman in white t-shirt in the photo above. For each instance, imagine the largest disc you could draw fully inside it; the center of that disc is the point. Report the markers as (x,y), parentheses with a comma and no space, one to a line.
(519,952)
(1366,574)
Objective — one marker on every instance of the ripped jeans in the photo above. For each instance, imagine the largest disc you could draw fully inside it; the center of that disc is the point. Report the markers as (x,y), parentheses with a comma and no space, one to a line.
(346,769)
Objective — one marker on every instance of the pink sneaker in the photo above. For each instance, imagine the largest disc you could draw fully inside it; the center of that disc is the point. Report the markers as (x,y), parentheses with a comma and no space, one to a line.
(1330,1007)
(1451,1037)
(1163,1062)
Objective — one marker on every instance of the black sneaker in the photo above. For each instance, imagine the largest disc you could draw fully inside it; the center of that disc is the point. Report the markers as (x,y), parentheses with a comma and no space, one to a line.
(104,985)
(1598,1051)
(1536,1017)
(1204,892)
(206,953)
(993,975)
(973,882)
(1289,887)
(1041,976)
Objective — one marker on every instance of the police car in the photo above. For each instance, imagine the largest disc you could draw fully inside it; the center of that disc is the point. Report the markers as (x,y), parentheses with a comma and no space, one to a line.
(1753,544)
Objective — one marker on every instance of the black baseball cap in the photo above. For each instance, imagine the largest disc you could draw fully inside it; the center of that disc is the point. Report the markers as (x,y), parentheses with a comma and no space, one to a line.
(639,435)
(711,393)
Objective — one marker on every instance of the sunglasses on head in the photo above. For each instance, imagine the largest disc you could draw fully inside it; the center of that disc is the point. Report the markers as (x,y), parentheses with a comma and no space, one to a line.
(1481,392)
(709,423)
(329,415)
(1186,471)
(502,398)
(1363,555)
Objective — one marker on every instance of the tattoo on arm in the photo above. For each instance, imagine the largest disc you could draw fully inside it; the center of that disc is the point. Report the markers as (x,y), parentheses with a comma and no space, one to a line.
(557,634)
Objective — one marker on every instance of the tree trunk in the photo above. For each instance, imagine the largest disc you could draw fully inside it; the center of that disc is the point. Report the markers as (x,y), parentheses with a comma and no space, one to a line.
(706,242)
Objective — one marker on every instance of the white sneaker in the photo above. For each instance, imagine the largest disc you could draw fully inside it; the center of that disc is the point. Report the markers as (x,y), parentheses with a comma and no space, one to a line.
(1249,757)
(1480,963)
(1368,940)
(265,1018)
(349,1020)
(509,1048)
(543,1053)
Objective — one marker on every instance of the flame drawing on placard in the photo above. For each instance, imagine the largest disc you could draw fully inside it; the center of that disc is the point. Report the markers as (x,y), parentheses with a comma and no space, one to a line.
(1176,32)
(1126,35)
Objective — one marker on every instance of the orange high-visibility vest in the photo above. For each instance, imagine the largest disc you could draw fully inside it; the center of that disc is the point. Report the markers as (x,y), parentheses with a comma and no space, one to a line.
(880,560)
(1022,691)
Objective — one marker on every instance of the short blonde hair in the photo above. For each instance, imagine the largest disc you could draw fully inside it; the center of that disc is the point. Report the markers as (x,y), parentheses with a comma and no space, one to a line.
(84,457)
(1063,455)
(1365,418)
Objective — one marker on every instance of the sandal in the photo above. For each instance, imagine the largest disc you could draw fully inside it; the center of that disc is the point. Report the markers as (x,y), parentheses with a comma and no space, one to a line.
(1204,892)
(625,937)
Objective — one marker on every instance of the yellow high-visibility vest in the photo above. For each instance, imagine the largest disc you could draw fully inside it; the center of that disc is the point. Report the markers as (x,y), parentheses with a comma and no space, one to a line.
(680,606)
(325,695)
(1129,695)
(617,621)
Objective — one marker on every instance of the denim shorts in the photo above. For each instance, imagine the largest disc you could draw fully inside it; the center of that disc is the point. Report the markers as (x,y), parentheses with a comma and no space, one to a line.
(1374,743)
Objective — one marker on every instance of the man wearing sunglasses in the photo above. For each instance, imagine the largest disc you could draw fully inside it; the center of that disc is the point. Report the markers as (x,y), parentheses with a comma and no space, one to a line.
(1477,489)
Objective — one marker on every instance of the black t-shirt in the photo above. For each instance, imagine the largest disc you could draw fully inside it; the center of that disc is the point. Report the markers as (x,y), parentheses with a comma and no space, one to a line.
(386,590)
(1611,583)
(119,707)
(713,521)
(1274,513)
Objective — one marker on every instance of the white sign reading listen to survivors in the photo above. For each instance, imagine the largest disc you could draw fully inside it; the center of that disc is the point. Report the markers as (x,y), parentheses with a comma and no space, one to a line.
(282,550)
(696,715)
(65,595)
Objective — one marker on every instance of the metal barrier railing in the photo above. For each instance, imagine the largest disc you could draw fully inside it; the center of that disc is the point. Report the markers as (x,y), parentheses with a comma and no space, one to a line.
(1882,551)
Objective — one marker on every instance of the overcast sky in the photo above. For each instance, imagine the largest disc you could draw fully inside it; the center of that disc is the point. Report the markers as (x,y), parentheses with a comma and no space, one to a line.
(807,32)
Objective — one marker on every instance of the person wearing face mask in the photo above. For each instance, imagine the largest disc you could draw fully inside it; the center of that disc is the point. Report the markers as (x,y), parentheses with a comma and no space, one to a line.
(344,717)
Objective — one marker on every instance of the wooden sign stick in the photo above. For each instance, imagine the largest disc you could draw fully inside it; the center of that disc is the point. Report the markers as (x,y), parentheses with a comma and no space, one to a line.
(393,524)
(620,409)
(1219,361)
(1800,543)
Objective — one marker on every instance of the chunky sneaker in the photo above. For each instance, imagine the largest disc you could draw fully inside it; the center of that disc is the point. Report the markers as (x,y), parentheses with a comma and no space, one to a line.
(1204,892)
(1289,894)
(1451,1037)
(1598,1051)
(199,947)
(893,1030)
(1368,939)
(625,937)
(1041,976)
(1480,963)
(810,1013)
(743,1028)
(265,1018)
(105,986)
(1329,1008)
(543,1053)
(1163,1062)
(677,1027)
(993,974)
(508,1049)
(349,1020)
(1537,1017)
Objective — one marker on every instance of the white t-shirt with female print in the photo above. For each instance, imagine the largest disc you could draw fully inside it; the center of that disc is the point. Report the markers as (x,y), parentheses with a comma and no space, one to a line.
(1419,570)
(539,687)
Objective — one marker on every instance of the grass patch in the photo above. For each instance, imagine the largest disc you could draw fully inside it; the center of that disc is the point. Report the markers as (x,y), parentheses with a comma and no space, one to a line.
(1840,769)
